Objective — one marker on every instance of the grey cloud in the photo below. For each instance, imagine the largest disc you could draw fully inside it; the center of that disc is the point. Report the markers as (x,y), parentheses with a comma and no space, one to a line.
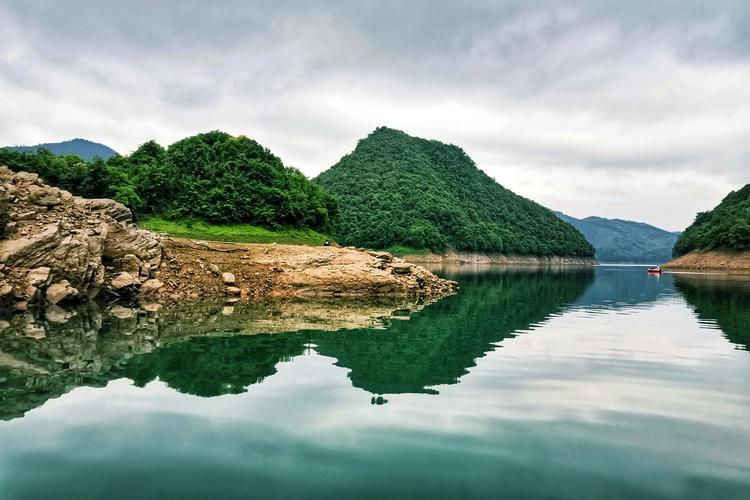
(529,89)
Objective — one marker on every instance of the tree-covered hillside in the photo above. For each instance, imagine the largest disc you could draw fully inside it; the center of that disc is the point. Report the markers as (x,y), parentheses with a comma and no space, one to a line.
(617,240)
(725,227)
(213,176)
(394,189)
(87,150)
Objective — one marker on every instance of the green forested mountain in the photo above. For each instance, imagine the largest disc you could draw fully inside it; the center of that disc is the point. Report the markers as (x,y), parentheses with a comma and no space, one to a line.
(617,240)
(81,147)
(394,189)
(727,226)
(213,176)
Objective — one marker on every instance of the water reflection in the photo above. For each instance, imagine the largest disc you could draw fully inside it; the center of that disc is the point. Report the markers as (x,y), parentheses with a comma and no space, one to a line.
(723,300)
(440,344)
(572,393)
(388,348)
(46,354)
(624,287)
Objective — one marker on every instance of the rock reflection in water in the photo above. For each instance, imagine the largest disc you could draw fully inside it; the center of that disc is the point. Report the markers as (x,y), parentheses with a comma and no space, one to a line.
(48,353)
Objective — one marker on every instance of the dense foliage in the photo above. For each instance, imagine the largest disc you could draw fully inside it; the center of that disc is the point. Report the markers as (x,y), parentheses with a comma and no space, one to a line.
(395,189)
(213,176)
(727,226)
(617,240)
(85,149)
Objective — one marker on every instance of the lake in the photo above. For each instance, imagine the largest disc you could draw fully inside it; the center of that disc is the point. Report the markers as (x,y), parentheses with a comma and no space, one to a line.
(529,383)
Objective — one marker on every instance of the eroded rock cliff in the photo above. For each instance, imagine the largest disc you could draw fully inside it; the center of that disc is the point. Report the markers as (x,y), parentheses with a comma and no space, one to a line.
(59,248)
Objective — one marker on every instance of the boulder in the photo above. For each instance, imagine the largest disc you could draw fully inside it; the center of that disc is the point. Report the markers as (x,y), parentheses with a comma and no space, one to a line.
(124,280)
(29,293)
(145,271)
(228,278)
(122,240)
(61,292)
(14,250)
(112,208)
(214,269)
(233,290)
(384,256)
(151,285)
(401,268)
(25,177)
(39,276)
(131,264)
(44,195)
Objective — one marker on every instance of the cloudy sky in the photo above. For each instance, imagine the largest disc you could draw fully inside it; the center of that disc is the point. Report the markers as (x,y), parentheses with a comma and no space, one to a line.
(637,110)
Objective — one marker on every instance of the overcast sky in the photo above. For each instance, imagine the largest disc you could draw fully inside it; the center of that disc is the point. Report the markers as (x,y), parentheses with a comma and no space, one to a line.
(636,110)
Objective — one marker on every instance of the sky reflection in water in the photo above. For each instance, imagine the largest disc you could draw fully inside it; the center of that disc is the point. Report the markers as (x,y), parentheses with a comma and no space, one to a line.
(528,383)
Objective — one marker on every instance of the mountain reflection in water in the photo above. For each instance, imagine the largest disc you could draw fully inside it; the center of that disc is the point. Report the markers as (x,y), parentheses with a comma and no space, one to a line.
(720,299)
(209,350)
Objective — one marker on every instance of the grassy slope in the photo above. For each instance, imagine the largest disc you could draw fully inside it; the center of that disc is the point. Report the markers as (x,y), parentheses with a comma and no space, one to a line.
(401,250)
(241,233)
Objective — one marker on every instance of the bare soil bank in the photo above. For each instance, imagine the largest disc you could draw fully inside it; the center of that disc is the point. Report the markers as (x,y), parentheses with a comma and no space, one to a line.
(453,257)
(711,261)
(195,269)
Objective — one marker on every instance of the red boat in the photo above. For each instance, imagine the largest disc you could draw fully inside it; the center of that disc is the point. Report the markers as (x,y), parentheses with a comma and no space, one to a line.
(654,270)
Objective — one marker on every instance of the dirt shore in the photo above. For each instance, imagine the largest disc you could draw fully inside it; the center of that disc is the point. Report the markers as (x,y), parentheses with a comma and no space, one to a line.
(199,269)
(711,261)
(453,257)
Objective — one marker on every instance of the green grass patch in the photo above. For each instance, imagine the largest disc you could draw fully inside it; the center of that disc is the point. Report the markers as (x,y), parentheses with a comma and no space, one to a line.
(239,233)
(401,250)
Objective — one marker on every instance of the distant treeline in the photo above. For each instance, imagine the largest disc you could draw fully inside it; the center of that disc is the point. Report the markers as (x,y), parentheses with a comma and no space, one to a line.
(393,190)
(213,176)
(725,227)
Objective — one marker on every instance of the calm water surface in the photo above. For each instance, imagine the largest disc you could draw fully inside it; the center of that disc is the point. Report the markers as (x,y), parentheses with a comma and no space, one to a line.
(527,384)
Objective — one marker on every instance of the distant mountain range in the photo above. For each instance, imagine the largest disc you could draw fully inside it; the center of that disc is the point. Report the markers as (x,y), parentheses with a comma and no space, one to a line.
(617,240)
(81,147)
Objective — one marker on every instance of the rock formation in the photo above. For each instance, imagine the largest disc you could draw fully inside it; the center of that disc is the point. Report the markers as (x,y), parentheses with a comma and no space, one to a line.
(61,247)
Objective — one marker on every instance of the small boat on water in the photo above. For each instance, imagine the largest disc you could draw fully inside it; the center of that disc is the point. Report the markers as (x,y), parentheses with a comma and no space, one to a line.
(654,270)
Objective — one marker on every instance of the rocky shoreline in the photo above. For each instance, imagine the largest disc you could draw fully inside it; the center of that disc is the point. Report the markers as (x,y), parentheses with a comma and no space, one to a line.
(453,257)
(59,249)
